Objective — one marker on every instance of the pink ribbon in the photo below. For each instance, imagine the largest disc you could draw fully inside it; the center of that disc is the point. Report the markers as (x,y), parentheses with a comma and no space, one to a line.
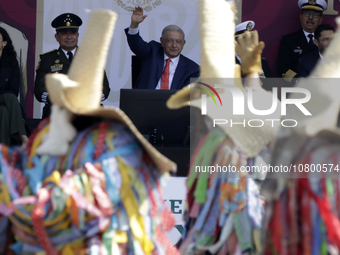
(8,210)
(97,178)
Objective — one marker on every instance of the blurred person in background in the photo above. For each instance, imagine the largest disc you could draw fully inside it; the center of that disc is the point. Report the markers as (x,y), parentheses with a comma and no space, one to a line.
(12,126)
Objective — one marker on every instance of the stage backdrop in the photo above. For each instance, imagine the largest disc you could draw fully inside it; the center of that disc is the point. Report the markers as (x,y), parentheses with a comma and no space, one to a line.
(273,19)
(18,17)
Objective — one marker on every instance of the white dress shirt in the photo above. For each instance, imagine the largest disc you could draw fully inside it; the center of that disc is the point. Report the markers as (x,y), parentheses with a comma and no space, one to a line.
(133,31)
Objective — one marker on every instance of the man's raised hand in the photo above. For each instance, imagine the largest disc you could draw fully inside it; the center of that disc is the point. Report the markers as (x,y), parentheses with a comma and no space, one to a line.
(137,17)
(249,49)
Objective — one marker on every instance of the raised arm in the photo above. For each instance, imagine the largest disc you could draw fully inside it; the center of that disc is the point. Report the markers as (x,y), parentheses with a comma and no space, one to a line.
(137,45)
(137,17)
(249,49)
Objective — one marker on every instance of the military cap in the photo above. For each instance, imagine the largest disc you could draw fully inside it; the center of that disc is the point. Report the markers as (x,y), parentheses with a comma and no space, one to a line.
(244,26)
(316,5)
(67,21)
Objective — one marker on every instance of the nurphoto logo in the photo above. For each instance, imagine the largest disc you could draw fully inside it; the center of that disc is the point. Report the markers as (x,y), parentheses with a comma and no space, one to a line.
(204,97)
(242,102)
(239,99)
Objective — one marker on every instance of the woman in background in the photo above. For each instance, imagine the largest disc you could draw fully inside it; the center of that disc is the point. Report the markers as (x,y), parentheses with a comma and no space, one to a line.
(11,121)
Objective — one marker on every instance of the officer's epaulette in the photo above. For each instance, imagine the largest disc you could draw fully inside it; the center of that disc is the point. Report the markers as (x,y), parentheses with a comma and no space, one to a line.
(48,52)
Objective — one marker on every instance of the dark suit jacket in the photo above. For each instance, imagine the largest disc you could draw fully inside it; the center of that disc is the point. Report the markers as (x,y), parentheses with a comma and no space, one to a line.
(266,69)
(267,84)
(55,61)
(307,63)
(10,77)
(292,47)
(152,56)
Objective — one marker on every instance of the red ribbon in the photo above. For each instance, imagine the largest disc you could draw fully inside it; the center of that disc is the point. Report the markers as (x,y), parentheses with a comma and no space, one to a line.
(101,140)
(38,223)
(332,223)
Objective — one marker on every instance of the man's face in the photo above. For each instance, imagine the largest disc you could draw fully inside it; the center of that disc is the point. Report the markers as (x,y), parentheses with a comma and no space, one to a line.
(172,43)
(324,40)
(67,39)
(309,20)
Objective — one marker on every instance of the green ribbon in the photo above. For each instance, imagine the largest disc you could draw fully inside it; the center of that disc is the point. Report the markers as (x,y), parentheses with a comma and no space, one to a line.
(203,158)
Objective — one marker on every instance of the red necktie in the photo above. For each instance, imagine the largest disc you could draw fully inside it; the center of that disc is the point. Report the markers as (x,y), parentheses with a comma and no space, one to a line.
(165,75)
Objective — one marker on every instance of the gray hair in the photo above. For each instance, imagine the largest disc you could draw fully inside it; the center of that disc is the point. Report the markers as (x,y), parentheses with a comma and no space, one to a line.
(172,28)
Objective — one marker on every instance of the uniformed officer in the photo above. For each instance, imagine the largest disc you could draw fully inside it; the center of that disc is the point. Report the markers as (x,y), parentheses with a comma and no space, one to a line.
(67,26)
(266,72)
(295,45)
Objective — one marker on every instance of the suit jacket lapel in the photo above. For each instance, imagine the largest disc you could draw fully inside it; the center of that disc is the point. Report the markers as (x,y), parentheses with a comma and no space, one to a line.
(317,55)
(180,71)
(160,64)
(303,39)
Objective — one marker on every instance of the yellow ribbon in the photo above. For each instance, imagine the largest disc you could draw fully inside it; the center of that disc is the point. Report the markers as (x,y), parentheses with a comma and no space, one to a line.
(141,190)
(18,216)
(36,143)
(131,206)
(110,134)
(54,178)
(87,186)
(6,199)
(120,237)
(257,241)
(74,248)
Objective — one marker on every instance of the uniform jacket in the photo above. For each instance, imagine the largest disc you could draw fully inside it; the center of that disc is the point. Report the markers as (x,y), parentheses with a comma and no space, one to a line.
(292,47)
(152,56)
(52,62)
(265,67)
(307,63)
(10,77)
(267,84)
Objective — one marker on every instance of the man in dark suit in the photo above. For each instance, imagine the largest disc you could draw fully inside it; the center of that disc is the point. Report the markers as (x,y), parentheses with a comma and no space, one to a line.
(59,61)
(163,65)
(324,34)
(295,45)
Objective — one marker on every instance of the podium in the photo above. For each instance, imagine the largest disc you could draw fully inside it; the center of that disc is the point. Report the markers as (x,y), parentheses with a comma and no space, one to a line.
(168,130)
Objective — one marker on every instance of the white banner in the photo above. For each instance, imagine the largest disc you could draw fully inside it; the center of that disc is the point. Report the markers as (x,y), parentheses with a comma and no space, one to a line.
(174,194)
